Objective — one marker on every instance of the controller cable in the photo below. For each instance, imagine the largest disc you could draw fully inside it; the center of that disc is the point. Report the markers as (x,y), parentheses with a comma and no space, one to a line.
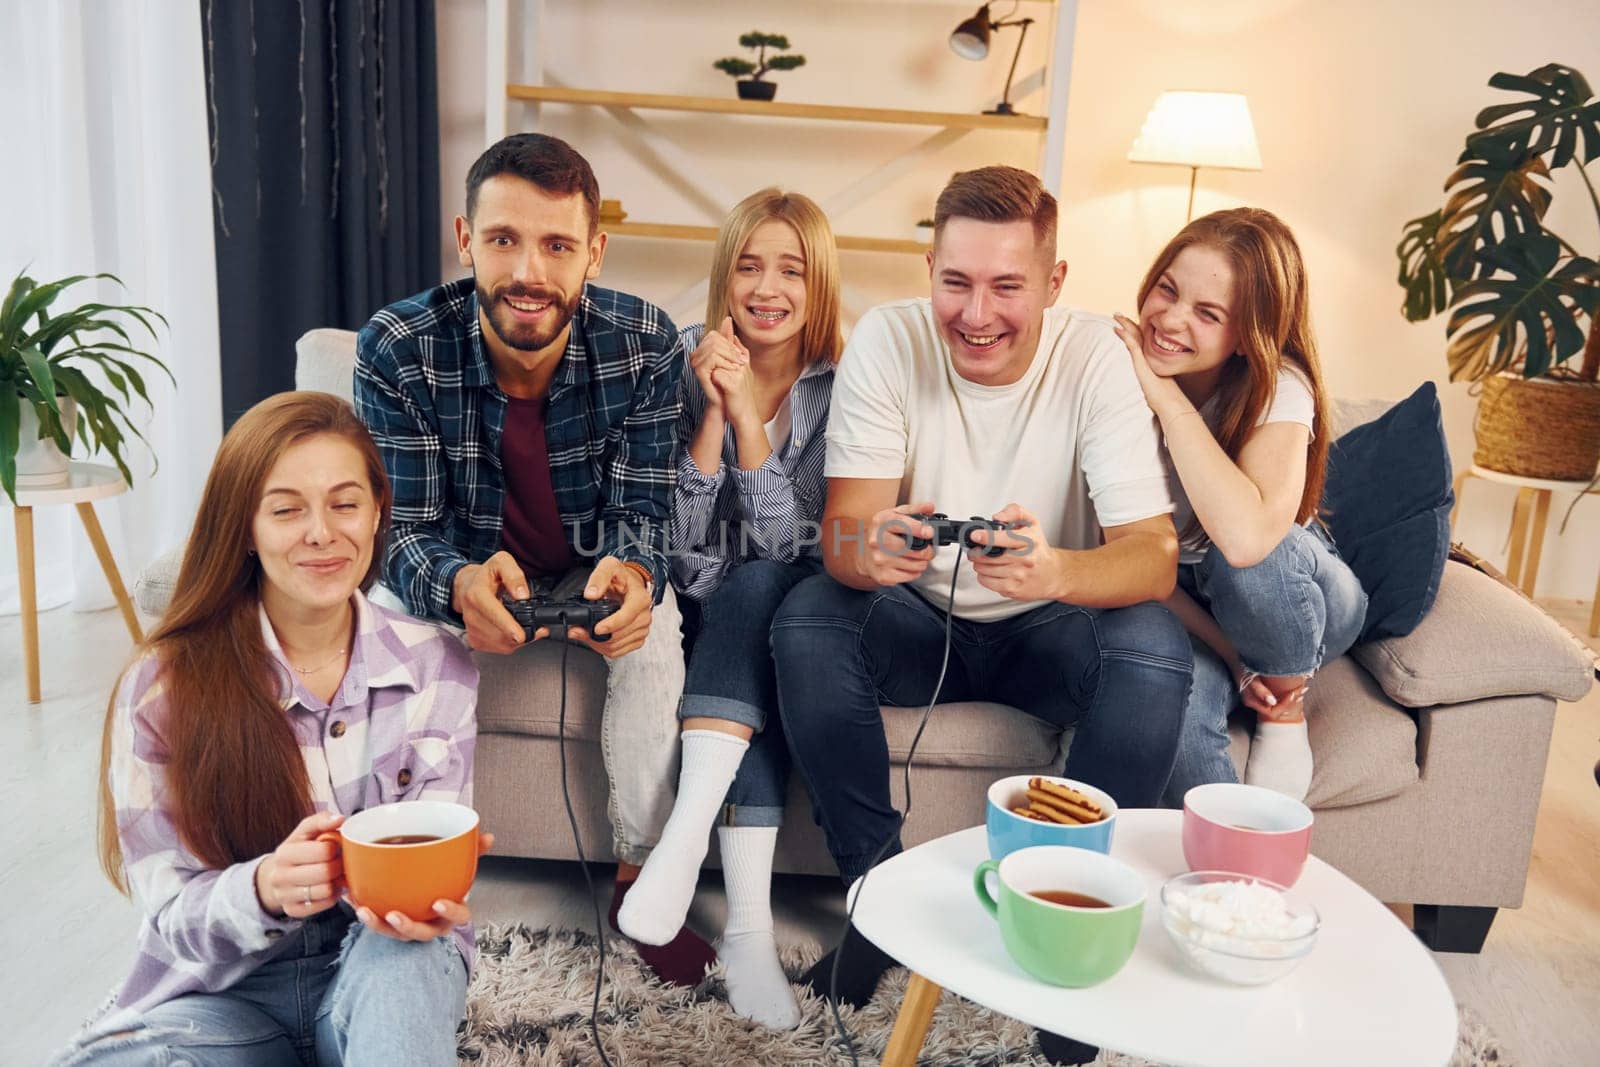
(861,885)
(577,839)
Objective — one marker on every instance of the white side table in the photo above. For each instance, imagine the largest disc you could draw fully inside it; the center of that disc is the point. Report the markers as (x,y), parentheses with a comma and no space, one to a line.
(86,483)
(1533,501)
(1369,992)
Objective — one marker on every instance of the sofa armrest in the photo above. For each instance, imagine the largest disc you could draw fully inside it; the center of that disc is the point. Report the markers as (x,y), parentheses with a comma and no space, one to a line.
(1481,639)
(325,362)
(152,589)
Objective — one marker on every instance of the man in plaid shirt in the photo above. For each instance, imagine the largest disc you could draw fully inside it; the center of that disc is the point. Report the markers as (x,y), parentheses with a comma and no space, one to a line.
(527,421)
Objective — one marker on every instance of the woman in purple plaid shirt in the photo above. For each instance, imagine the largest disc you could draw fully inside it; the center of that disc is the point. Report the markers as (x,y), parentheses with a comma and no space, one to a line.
(272,701)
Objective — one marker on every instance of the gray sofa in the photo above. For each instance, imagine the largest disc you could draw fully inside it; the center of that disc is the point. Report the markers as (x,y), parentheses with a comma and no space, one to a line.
(1430,749)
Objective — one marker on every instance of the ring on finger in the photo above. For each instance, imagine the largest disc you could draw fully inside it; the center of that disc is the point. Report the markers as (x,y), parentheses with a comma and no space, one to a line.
(306,896)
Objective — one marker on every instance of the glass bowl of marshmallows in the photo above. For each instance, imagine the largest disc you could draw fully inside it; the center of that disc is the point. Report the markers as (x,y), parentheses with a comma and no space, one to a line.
(1238,928)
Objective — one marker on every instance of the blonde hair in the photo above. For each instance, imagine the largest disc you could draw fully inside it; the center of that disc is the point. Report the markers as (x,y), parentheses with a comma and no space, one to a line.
(1274,320)
(820,339)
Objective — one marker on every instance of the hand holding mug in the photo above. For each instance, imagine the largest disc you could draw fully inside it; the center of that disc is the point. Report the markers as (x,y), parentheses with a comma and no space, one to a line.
(409,865)
(452,913)
(303,875)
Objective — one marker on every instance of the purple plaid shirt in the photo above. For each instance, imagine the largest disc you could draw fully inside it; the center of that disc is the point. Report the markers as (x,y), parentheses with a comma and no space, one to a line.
(401,727)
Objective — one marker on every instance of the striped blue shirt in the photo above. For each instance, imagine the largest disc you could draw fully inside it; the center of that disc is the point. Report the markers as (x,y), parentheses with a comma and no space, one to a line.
(424,387)
(770,512)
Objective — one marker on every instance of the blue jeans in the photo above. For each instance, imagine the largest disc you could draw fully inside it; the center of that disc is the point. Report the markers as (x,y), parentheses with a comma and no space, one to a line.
(1297,609)
(1119,676)
(343,995)
(731,677)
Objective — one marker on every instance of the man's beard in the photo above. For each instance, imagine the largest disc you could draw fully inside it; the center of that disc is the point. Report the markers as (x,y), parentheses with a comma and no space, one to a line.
(521,336)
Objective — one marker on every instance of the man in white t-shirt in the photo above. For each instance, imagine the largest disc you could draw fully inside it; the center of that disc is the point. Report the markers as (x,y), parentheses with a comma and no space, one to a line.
(985,400)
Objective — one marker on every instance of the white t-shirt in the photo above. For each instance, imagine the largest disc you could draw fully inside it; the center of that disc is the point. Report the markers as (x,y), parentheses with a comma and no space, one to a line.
(1073,440)
(778,428)
(1291,402)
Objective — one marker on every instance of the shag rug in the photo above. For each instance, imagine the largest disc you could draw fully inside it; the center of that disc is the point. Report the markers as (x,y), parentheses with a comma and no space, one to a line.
(531,993)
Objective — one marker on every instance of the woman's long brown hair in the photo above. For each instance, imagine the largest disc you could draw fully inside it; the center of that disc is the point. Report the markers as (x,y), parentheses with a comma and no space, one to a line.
(1274,321)
(237,782)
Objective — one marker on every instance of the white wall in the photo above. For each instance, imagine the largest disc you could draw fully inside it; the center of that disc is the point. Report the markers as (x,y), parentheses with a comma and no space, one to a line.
(1360,108)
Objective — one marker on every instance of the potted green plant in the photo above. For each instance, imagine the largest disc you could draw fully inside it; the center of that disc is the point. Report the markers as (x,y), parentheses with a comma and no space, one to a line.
(47,395)
(925,231)
(755,87)
(1524,302)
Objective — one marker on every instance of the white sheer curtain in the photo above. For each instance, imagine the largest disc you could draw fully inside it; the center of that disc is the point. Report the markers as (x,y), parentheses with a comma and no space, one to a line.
(107,168)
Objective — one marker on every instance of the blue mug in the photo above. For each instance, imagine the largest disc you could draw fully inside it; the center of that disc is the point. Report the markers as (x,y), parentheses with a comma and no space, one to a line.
(1009,831)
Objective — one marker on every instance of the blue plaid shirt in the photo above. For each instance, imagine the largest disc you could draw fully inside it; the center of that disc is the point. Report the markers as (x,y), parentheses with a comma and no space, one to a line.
(424,387)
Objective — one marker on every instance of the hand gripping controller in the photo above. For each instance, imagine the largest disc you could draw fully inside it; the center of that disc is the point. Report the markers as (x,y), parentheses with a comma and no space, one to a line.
(537,611)
(948,531)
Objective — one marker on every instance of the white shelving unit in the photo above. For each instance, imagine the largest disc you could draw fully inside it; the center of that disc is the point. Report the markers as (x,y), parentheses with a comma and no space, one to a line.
(515,76)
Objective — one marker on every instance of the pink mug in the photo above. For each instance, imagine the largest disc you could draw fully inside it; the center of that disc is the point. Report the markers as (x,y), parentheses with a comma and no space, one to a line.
(1245,829)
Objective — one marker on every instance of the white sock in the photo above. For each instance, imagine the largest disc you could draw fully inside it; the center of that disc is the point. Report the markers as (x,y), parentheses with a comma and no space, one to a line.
(1280,758)
(654,908)
(757,987)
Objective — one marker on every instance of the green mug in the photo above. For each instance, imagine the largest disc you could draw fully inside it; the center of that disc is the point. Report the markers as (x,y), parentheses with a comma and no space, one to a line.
(1068,944)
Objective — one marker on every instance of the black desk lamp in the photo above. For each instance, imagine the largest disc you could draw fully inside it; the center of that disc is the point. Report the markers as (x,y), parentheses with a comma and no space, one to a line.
(971,41)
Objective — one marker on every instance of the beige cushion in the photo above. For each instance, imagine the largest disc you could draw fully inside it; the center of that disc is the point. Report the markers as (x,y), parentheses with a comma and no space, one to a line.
(1363,747)
(972,734)
(1348,414)
(521,693)
(1480,639)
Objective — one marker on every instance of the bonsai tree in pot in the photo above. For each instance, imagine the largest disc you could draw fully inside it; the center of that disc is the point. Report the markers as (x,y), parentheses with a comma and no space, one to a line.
(1524,302)
(46,390)
(755,87)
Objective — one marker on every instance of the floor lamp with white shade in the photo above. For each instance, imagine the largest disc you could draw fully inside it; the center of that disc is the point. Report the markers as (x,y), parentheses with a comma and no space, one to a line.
(1194,130)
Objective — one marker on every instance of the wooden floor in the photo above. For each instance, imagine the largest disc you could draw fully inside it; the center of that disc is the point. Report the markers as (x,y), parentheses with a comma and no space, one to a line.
(67,936)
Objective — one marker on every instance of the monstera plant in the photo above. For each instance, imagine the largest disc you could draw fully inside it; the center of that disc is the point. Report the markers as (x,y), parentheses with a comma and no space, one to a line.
(1524,302)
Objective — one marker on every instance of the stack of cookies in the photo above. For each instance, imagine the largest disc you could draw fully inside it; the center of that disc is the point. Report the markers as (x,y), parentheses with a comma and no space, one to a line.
(1049,801)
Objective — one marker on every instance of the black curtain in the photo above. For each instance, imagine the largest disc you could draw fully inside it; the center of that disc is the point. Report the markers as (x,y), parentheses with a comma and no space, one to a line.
(325,172)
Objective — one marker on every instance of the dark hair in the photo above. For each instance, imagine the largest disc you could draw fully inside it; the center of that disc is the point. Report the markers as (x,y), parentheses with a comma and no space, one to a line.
(548,162)
(998,194)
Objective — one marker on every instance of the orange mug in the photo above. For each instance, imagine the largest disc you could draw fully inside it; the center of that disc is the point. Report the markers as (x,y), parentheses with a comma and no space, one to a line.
(404,856)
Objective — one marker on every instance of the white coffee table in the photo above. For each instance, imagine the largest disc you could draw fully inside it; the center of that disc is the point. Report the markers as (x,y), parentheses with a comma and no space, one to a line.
(1368,993)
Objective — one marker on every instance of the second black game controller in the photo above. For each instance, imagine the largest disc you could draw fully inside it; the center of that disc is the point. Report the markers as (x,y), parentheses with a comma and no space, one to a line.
(948,531)
(538,611)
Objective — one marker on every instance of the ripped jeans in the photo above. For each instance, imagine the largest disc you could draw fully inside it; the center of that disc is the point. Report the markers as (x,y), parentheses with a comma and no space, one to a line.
(1296,610)
(343,995)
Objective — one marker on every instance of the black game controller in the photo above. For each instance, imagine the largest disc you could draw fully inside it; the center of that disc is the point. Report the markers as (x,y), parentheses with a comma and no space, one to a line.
(537,611)
(948,531)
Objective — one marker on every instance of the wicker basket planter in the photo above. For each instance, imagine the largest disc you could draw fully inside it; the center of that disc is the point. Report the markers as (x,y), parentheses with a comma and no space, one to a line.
(1539,427)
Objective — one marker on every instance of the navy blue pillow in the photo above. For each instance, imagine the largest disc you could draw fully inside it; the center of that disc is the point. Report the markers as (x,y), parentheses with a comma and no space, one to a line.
(1387,500)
